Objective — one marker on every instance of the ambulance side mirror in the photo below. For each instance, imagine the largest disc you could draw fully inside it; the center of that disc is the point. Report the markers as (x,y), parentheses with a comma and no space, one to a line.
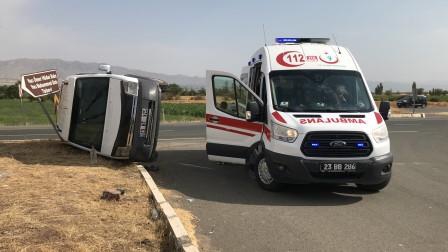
(253,111)
(384,109)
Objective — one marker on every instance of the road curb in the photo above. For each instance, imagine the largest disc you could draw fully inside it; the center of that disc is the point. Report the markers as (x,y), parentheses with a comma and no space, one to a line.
(180,236)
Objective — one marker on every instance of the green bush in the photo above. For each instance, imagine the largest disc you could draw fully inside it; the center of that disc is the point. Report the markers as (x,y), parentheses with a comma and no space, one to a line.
(184,109)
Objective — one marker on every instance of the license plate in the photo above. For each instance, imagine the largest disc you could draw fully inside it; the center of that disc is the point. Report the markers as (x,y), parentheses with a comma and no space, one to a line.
(338,167)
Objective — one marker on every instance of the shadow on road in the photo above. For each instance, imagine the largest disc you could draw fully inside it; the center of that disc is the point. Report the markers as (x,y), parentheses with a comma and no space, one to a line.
(190,173)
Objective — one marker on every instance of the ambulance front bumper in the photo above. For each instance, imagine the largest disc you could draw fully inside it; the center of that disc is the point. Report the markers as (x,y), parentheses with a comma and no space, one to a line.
(297,170)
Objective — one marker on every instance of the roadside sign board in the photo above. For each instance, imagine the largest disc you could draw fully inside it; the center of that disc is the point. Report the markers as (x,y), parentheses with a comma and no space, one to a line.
(41,83)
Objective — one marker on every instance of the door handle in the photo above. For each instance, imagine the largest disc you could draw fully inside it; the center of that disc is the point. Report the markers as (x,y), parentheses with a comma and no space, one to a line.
(213,119)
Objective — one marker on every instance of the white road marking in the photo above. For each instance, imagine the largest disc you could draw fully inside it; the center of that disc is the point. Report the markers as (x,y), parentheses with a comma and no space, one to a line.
(405,124)
(197,166)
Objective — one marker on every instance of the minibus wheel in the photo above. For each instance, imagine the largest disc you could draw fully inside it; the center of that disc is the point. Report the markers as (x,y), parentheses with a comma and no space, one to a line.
(374,187)
(263,176)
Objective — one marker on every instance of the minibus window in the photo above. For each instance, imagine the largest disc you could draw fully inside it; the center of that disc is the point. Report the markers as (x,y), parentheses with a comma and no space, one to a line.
(89,111)
(319,91)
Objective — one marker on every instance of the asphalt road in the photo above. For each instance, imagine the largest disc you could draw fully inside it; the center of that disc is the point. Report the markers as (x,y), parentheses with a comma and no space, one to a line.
(234,214)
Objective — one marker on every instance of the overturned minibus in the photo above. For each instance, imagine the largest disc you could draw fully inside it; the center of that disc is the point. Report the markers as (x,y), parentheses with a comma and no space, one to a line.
(116,116)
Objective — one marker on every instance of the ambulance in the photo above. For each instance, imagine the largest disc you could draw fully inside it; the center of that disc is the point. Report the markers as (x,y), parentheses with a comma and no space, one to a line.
(116,116)
(301,112)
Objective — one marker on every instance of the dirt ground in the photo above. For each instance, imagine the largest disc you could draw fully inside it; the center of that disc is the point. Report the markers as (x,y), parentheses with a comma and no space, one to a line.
(50,201)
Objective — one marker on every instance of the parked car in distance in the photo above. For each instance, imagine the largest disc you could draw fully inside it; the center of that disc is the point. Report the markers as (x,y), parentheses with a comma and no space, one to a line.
(408,101)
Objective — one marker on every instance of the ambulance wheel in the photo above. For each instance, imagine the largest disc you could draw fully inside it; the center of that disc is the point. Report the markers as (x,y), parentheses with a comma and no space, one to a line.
(263,176)
(374,187)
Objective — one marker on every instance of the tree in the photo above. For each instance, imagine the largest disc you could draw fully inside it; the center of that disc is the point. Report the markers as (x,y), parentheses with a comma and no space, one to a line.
(12,91)
(388,92)
(379,89)
(201,91)
(420,91)
(174,89)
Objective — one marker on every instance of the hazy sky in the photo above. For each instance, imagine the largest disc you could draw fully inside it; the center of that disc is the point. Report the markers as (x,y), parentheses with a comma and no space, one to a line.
(392,40)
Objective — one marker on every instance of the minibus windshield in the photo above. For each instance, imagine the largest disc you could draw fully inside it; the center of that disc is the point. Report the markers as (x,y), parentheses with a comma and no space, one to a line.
(319,91)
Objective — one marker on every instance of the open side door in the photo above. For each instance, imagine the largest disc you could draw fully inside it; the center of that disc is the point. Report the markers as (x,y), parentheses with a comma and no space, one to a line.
(229,135)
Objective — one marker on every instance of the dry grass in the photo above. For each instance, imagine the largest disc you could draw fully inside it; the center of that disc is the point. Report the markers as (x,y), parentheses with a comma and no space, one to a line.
(438,104)
(50,201)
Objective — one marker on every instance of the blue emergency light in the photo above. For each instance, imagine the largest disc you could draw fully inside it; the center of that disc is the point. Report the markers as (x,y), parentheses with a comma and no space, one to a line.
(360,145)
(301,40)
(315,145)
(287,40)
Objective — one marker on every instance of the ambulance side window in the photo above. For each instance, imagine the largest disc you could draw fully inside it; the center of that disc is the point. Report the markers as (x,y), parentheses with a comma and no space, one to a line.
(264,96)
(230,96)
(255,74)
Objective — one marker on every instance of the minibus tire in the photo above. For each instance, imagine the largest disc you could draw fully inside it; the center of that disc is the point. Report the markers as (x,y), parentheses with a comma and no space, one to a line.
(260,161)
(374,187)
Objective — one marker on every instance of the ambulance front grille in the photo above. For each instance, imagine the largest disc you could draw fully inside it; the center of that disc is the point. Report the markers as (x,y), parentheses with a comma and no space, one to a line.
(336,144)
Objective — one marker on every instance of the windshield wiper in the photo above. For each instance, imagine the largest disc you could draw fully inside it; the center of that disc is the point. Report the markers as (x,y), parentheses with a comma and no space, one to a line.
(282,109)
(333,110)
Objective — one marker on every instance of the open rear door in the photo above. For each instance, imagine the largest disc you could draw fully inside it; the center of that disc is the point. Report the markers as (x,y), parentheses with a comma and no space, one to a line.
(229,135)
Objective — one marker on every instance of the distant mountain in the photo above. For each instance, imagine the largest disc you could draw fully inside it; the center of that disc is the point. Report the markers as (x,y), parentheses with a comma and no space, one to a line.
(13,69)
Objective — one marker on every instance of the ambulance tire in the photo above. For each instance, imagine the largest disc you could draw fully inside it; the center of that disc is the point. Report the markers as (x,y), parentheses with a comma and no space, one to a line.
(374,187)
(261,172)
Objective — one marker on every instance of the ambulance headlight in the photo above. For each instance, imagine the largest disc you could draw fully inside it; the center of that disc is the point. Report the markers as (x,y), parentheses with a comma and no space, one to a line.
(131,88)
(380,134)
(283,133)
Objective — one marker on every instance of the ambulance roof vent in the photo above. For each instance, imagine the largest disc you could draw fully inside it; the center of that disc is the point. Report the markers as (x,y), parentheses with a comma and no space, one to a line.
(301,40)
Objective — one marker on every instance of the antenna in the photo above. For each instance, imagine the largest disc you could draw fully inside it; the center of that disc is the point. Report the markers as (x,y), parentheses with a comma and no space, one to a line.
(334,38)
(264,35)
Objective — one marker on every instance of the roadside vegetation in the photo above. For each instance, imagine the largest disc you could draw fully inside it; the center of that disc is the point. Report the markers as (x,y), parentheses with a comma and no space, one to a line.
(178,104)
(434,95)
(27,112)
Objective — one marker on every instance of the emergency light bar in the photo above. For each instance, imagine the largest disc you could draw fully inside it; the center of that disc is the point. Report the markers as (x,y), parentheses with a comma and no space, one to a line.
(301,40)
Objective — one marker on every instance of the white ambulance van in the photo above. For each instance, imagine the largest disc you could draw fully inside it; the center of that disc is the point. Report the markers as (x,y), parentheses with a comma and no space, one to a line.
(115,115)
(302,113)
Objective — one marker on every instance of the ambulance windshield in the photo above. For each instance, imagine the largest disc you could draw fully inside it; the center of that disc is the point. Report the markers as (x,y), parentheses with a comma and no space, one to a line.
(319,91)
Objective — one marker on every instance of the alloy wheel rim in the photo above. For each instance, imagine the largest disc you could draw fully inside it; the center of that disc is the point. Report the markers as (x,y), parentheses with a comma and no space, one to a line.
(263,172)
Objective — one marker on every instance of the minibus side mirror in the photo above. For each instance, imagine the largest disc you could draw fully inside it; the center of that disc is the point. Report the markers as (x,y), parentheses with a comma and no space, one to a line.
(253,111)
(384,109)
